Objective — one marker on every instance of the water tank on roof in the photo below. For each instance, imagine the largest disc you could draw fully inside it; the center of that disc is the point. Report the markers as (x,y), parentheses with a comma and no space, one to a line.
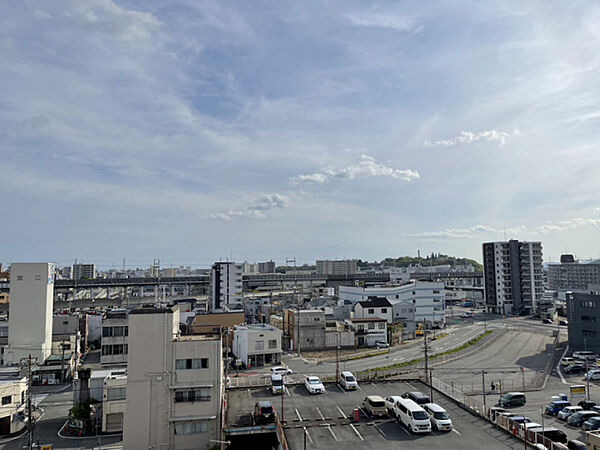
(568,258)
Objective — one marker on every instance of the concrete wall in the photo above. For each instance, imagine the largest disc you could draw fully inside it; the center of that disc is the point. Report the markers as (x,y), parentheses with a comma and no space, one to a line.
(346,339)
(17,390)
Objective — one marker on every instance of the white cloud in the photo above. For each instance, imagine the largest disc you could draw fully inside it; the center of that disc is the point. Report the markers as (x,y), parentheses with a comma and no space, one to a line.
(469,137)
(391,21)
(365,167)
(256,208)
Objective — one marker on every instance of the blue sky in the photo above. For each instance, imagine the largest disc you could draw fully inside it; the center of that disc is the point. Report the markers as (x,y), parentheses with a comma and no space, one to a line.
(197,130)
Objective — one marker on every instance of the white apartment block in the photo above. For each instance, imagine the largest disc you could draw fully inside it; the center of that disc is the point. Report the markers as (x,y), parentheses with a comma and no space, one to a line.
(429,299)
(374,308)
(13,393)
(257,345)
(513,276)
(174,392)
(367,332)
(226,284)
(337,267)
(115,338)
(30,311)
(84,271)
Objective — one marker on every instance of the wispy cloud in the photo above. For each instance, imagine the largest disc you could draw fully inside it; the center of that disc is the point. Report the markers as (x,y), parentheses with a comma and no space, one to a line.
(391,21)
(470,137)
(256,209)
(365,167)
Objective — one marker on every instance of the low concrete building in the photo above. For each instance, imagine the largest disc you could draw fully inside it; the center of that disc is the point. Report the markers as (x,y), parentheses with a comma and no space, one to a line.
(211,323)
(367,332)
(307,327)
(115,338)
(257,345)
(12,414)
(374,308)
(114,403)
(404,314)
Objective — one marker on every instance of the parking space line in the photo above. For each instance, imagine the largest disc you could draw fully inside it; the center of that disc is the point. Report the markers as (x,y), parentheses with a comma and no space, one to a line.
(456,431)
(375,386)
(308,435)
(320,413)
(381,431)
(287,391)
(332,433)
(357,433)
(342,415)
(363,411)
(341,389)
(298,414)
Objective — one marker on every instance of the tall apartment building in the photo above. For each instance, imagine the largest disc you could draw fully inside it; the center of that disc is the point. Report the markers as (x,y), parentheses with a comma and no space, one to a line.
(337,267)
(84,271)
(512,273)
(266,267)
(226,284)
(30,311)
(571,274)
(583,312)
(115,338)
(174,392)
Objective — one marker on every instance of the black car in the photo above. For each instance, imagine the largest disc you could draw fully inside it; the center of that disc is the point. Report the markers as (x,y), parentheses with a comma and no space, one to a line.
(263,413)
(574,368)
(587,404)
(418,397)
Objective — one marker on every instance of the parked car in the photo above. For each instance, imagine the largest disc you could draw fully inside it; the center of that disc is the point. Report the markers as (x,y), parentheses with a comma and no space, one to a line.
(277,384)
(382,344)
(438,416)
(374,405)
(574,368)
(418,397)
(574,444)
(512,399)
(556,406)
(567,411)
(567,361)
(547,321)
(552,433)
(348,381)
(281,370)
(313,385)
(593,423)
(563,322)
(577,419)
(592,375)
(412,416)
(585,355)
(263,412)
(587,404)
(389,403)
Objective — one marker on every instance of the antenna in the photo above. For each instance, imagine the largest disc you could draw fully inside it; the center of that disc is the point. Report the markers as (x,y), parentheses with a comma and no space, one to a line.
(505,233)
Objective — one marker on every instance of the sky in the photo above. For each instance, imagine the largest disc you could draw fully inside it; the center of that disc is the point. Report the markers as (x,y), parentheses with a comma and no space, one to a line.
(194,131)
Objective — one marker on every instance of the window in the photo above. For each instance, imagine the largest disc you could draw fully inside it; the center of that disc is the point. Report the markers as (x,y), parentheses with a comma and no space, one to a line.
(20,277)
(6,400)
(371,326)
(195,363)
(191,428)
(588,319)
(383,310)
(381,326)
(588,333)
(197,395)
(38,277)
(259,345)
(397,296)
(370,311)
(272,343)
(317,319)
(107,331)
(106,350)
(436,292)
(117,393)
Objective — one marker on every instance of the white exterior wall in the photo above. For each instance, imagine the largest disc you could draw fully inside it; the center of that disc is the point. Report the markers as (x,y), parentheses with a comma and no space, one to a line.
(110,407)
(17,390)
(429,298)
(30,310)
(229,282)
(361,312)
(245,341)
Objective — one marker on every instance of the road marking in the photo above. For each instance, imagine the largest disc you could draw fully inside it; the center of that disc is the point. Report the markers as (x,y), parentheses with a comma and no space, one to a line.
(320,413)
(363,411)
(375,386)
(357,433)
(381,431)
(308,435)
(287,391)
(341,389)
(298,414)
(341,412)
(456,431)
(249,394)
(558,366)
(397,359)
(331,431)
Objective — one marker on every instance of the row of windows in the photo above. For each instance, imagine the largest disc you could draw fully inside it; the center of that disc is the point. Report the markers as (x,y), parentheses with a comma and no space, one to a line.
(588,333)
(198,395)
(191,363)
(115,349)
(116,393)
(115,331)
(587,304)
(588,319)
(372,311)
(260,345)
(191,428)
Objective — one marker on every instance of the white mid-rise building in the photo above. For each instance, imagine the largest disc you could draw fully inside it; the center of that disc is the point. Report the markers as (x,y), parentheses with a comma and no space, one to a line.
(226,284)
(257,344)
(337,267)
(429,299)
(30,311)
(12,414)
(174,392)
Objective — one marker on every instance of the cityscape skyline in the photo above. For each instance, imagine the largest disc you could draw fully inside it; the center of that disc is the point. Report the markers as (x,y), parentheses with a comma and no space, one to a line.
(343,130)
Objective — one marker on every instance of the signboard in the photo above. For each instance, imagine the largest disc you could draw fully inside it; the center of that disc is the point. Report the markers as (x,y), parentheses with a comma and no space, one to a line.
(577,390)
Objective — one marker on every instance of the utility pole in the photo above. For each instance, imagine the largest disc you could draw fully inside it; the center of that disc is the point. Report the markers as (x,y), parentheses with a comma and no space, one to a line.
(287,261)
(282,395)
(29,413)
(426,349)
(431,384)
(337,358)
(587,377)
(483,392)
(62,361)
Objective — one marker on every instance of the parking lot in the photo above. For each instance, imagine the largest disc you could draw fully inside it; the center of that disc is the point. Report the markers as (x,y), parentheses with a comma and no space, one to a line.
(325,419)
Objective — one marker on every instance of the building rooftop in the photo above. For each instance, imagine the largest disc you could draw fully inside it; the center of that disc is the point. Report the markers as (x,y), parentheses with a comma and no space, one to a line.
(375,303)
(151,310)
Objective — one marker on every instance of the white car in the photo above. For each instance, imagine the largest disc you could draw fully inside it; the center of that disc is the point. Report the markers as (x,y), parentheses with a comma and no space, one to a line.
(567,411)
(590,356)
(281,370)
(592,375)
(567,361)
(348,381)
(313,385)
(389,403)
(438,416)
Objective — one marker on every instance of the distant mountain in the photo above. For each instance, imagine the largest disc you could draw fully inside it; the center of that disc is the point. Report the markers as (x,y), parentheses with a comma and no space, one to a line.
(434,259)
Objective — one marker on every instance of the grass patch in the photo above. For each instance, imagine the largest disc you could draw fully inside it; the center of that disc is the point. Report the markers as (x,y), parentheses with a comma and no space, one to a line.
(465,345)
(439,336)
(368,355)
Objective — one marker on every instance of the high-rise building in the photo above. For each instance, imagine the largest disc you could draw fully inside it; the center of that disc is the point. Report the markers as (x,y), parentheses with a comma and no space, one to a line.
(174,388)
(571,274)
(30,311)
(84,271)
(226,284)
(512,276)
(337,267)
(266,267)
(583,312)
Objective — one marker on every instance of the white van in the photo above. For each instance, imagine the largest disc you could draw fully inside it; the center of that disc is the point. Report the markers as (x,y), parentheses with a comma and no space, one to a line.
(438,416)
(412,416)
(348,381)
(276,384)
